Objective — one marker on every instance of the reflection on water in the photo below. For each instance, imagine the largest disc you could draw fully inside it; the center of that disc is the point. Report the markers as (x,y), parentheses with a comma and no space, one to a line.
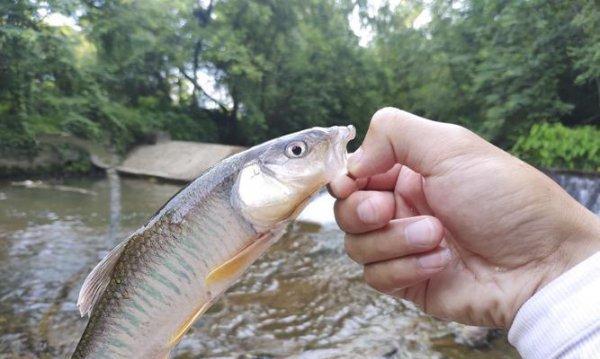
(303,299)
(114,185)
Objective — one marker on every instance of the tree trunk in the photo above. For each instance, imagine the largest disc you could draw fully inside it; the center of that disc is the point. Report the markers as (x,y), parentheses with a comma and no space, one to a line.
(232,123)
(197,49)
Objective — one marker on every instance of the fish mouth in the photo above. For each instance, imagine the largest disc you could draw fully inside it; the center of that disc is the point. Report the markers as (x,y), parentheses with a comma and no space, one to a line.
(350,133)
(341,135)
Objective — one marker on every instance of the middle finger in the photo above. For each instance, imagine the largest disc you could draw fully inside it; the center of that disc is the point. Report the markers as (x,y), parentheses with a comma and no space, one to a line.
(401,237)
(364,211)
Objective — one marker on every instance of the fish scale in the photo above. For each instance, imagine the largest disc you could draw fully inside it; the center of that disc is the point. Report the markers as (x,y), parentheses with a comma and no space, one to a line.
(148,291)
(157,289)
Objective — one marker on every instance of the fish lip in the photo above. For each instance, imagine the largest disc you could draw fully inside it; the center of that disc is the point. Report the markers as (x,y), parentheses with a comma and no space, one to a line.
(341,136)
(351,133)
(344,134)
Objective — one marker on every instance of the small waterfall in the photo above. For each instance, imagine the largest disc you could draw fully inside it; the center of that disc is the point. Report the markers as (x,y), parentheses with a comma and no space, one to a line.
(584,187)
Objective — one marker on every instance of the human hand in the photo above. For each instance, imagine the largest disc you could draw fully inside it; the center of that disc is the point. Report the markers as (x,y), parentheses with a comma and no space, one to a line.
(442,218)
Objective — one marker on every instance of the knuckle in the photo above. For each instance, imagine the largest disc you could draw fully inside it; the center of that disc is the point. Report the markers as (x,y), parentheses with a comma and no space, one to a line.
(380,248)
(397,274)
(396,277)
(351,250)
(384,115)
(332,190)
(336,208)
(458,132)
(338,211)
(407,191)
(372,278)
(341,187)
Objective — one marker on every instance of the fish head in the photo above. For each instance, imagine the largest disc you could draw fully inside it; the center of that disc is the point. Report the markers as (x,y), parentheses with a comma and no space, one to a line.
(288,170)
(309,158)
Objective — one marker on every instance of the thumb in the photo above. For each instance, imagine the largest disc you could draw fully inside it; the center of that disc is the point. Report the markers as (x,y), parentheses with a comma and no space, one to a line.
(396,136)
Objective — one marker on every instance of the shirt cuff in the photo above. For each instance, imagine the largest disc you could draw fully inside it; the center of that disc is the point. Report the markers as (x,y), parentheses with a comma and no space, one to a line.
(563,317)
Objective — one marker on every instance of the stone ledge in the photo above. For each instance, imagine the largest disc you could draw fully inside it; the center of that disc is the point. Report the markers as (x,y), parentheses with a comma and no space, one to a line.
(175,160)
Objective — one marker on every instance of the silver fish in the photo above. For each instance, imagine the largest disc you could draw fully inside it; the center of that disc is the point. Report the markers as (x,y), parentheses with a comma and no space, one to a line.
(148,291)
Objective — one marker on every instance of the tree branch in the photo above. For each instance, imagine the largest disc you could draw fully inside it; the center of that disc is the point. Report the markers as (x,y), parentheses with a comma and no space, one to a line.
(198,87)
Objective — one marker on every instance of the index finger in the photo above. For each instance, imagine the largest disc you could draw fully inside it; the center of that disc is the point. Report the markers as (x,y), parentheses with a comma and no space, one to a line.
(396,136)
(344,186)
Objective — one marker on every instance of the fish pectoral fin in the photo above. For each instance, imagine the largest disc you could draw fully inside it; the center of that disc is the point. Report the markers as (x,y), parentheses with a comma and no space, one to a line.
(296,212)
(222,276)
(235,266)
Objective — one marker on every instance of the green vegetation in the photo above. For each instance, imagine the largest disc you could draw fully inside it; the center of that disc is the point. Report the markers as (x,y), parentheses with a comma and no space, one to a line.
(556,146)
(131,67)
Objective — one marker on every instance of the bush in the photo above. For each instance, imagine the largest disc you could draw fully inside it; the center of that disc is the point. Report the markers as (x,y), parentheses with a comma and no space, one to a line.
(189,126)
(556,146)
(82,127)
(15,140)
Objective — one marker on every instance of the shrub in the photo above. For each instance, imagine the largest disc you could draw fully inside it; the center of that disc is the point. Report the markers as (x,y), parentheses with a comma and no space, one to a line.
(556,146)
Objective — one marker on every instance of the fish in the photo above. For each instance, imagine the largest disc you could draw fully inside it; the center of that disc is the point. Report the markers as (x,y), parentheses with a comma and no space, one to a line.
(150,289)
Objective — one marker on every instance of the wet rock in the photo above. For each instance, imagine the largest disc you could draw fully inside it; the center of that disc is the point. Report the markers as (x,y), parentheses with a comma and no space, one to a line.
(471,336)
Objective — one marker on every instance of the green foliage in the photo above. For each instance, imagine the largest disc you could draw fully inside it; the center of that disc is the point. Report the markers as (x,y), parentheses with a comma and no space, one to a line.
(74,160)
(556,146)
(496,67)
(587,56)
(131,68)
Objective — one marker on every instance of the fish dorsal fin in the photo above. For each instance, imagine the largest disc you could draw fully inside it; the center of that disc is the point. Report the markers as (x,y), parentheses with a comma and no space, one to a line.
(96,282)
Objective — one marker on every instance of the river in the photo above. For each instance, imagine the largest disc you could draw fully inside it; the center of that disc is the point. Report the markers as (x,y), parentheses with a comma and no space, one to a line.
(303,299)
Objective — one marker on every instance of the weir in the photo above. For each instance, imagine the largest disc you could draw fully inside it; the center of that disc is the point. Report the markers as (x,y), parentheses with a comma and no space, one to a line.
(584,187)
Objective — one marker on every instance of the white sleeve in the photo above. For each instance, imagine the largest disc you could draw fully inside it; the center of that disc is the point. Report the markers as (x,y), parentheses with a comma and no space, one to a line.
(562,320)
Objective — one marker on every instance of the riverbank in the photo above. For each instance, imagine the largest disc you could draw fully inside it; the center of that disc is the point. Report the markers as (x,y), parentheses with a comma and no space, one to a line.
(179,161)
(173,161)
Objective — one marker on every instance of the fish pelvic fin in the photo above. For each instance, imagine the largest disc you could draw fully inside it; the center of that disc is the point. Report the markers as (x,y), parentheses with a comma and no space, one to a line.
(188,323)
(98,279)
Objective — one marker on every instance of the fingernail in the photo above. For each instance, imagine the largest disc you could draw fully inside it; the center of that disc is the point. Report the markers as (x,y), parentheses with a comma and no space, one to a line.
(420,233)
(354,159)
(367,212)
(435,260)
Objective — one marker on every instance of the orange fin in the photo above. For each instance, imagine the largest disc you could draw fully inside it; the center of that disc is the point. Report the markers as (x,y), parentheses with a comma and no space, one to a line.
(188,323)
(238,264)
(222,275)
(300,208)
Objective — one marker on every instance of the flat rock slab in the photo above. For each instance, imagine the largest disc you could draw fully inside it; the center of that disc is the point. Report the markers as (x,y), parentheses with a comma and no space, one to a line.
(175,160)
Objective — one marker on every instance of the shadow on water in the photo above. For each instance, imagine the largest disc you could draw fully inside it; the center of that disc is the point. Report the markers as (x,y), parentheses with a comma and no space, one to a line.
(303,299)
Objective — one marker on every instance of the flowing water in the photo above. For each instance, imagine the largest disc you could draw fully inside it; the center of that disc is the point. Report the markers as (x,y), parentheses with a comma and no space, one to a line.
(303,299)
(585,188)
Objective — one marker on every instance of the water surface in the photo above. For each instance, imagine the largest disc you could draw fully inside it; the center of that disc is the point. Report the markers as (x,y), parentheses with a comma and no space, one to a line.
(303,299)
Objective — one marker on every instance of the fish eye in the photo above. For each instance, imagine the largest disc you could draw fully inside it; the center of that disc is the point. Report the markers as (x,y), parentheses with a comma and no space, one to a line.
(295,149)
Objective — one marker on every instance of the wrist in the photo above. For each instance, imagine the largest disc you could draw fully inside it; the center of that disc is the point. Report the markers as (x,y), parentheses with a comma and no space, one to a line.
(580,240)
(577,238)
(562,318)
